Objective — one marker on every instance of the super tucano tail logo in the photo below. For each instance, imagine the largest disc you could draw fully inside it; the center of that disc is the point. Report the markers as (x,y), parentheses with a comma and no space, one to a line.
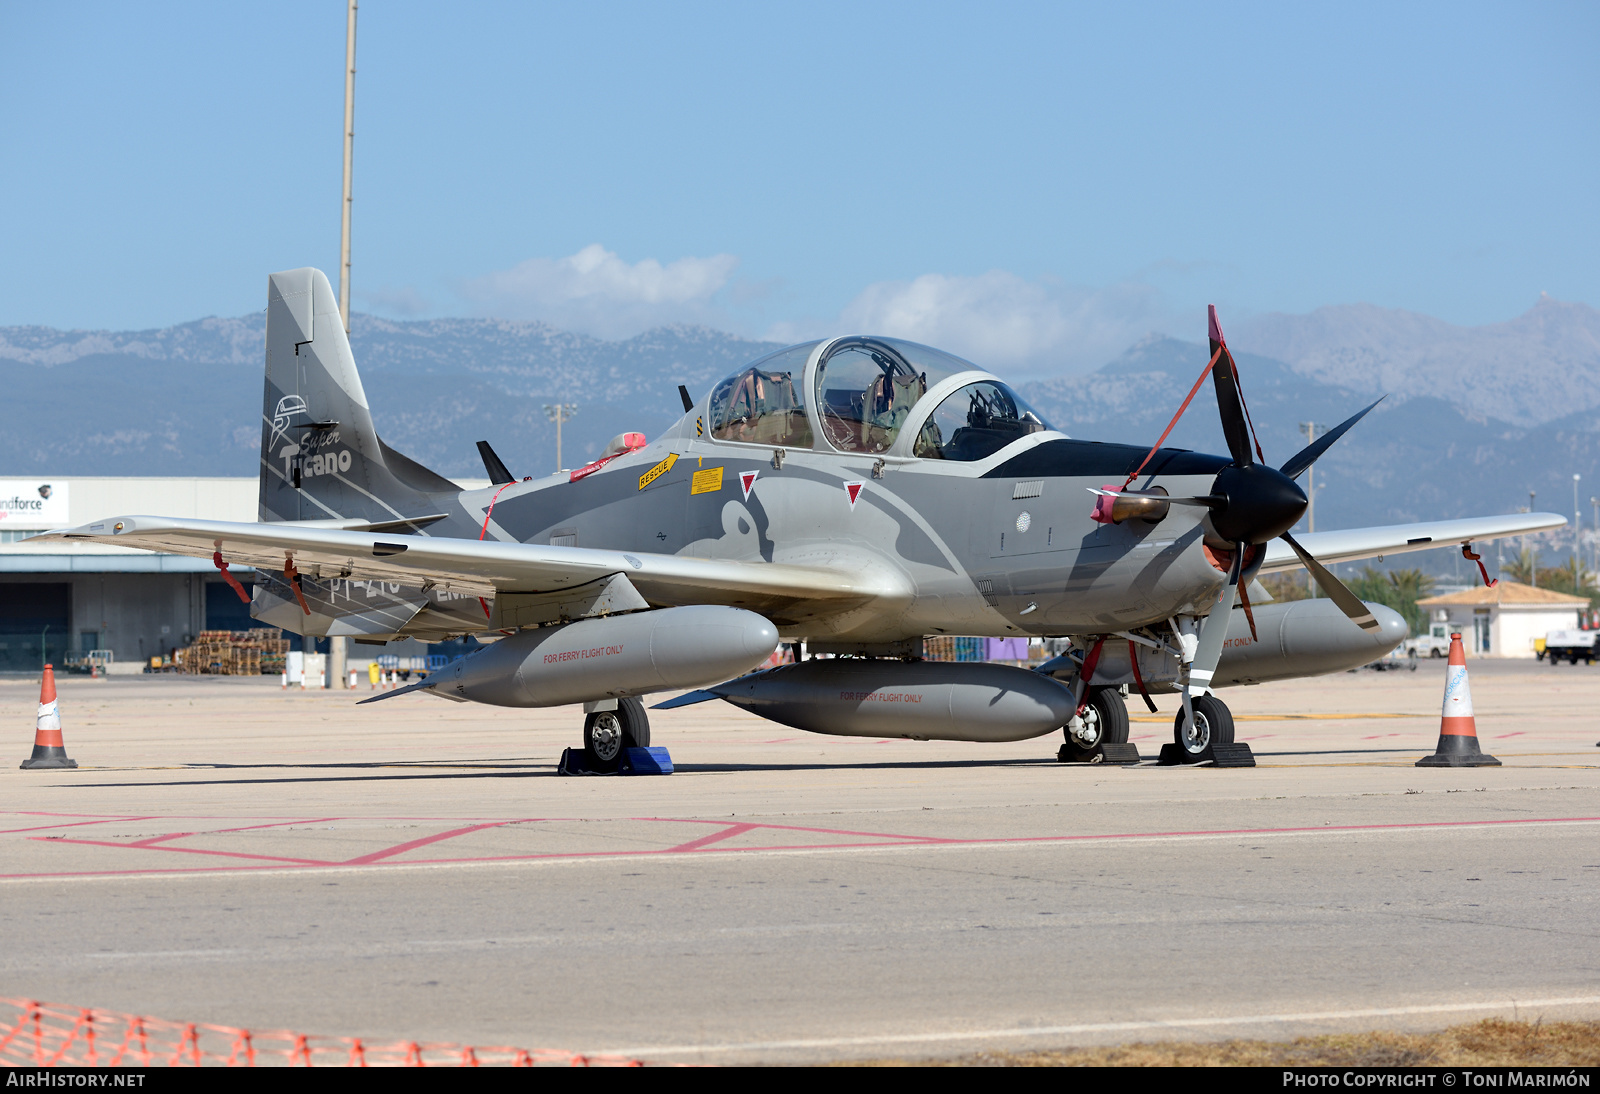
(287,408)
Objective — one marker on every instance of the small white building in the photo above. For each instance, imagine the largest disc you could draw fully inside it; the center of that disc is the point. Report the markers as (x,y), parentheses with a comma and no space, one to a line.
(1504,619)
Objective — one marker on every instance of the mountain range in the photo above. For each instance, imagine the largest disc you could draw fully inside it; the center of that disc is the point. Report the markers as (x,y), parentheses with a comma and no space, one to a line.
(1475,417)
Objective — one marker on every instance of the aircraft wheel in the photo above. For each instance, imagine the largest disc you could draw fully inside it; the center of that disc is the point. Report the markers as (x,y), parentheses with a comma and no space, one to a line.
(607,732)
(1213,725)
(1104,719)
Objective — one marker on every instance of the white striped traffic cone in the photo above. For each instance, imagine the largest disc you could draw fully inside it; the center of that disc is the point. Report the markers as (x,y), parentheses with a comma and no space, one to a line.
(49,751)
(1458,729)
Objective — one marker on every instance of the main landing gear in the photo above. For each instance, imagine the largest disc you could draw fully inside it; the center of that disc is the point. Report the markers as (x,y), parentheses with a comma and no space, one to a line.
(606,733)
(1104,721)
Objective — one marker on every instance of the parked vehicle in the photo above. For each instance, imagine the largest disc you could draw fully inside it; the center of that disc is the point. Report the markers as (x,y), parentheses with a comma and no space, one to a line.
(1436,643)
(1397,658)
(1572,645)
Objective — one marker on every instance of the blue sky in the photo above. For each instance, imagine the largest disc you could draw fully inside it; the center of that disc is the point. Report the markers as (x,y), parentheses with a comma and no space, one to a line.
(1035,185)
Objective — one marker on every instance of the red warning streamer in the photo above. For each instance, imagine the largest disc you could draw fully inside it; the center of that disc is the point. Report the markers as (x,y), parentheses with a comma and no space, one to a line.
(216,557)
(1468,554)
(55,1035)
(487,513)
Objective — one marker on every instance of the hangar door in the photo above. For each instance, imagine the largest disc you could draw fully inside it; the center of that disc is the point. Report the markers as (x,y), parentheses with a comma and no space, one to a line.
(34,621)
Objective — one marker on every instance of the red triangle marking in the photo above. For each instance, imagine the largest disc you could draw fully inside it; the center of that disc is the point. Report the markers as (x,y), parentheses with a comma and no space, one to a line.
(747,479)
(854,490)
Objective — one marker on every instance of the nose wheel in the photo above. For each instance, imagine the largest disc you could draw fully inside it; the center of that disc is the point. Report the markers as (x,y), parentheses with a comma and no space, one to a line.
(607,732)
(1212,726)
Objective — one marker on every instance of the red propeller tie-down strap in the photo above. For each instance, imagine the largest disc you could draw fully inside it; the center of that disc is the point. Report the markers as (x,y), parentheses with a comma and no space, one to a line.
(1133,656)
(1467,553)
(216,556)
(1215,357)
(1088,671)
(487,513)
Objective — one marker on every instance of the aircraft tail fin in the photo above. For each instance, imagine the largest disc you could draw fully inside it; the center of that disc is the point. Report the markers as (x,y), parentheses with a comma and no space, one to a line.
(321,457)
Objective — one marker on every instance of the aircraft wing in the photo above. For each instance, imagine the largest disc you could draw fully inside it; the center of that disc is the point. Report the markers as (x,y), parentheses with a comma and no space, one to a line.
(1353,543)
(486,568)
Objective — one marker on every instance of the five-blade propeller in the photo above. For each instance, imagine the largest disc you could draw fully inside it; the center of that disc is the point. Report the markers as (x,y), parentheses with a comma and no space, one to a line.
(1250,503)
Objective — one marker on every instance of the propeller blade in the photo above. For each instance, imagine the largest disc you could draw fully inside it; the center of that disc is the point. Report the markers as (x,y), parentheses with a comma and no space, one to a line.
(1215,627)
(1249,616)
(1349,603)
(1225,377)
(1309,454)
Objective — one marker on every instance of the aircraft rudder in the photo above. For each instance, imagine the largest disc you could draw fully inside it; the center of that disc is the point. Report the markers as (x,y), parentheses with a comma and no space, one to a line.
(321,456)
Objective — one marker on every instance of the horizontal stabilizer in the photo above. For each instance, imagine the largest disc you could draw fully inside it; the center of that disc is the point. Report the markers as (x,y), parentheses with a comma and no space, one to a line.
(687,699)
(418,686)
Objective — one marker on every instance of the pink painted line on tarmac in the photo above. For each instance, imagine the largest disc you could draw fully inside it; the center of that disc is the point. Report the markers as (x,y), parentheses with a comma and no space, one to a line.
(801,828)
(715,837)
(188,851)
(72,824)
(401,848)
(153,840)
(887,841)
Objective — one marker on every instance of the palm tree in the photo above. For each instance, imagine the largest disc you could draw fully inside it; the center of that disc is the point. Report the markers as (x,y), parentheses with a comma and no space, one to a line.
(1397,589)
(1522,568)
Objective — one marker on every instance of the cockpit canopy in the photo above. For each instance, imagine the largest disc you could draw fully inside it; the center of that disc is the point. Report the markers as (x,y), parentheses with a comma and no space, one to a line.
(865,391)
(764,402)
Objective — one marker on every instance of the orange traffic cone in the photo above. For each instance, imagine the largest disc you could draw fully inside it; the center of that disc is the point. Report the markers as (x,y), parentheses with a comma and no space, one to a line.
(1458,730)
(48,750)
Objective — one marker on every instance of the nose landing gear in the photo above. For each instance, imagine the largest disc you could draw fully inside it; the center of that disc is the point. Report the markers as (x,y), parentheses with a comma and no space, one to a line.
(1209,739)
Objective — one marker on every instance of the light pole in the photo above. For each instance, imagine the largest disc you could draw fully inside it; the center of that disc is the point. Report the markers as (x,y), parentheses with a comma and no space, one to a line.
(558,413)
(339,647)
(1577,530)
(349,152)
(1595,554)
(1533,553)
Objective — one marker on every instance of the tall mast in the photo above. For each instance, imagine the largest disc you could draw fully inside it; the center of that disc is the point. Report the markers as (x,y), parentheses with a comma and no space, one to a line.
(349,143)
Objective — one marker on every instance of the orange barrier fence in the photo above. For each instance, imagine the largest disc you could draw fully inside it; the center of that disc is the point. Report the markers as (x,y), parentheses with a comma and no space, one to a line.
(53,1035)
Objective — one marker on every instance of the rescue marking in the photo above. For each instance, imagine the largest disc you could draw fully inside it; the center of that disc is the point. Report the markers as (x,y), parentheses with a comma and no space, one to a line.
(747,479)
(658,470)
(708,481)
(854,490)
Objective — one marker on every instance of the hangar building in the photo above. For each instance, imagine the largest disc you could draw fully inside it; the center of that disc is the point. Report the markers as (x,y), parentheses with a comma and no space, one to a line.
(70,598)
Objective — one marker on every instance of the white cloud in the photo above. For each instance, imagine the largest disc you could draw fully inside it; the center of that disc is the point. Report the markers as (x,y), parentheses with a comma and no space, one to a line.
(1000,320)
(597,292)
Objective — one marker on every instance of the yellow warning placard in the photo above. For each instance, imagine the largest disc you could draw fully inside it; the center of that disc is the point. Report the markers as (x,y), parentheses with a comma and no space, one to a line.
(658,470)
(708,481)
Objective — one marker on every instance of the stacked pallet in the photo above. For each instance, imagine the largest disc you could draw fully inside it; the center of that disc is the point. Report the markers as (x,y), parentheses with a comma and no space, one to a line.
(946,647)
(274,649)
(235,653)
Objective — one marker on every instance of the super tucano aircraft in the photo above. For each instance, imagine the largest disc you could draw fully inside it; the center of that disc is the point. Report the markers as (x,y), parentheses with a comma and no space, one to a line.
(856,493)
